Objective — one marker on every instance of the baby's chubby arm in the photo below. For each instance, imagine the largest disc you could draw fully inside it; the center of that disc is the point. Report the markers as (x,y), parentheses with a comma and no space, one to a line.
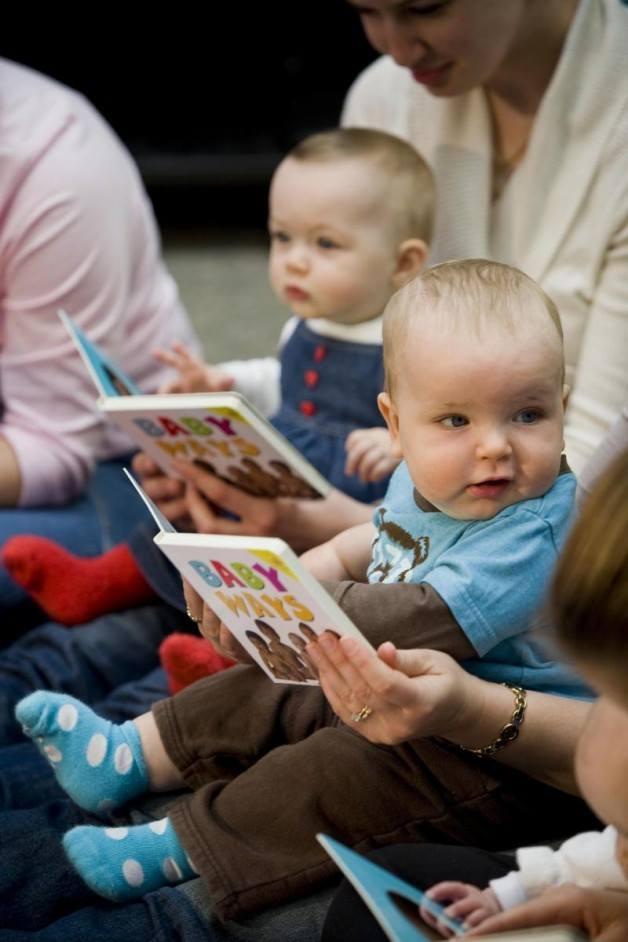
(346,556)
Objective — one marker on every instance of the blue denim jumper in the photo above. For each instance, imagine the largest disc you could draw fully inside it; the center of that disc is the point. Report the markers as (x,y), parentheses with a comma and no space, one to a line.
(329,387)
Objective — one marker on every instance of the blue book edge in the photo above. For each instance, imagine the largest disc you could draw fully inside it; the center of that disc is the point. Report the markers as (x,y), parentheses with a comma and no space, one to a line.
(107,376)
(378,886)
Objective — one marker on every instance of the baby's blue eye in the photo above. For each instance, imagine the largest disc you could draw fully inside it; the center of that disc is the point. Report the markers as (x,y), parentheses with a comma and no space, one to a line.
(528,416)
(325,243)
(279,236)
(454,421)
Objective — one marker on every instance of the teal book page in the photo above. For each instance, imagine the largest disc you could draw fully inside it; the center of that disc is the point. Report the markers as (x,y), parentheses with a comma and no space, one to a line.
(107,375)
(379,888)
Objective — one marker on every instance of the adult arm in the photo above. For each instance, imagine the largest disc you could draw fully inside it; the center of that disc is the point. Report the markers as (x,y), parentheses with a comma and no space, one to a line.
(614,443)
(77,233)
(301,523)
(426,693)
(600,389)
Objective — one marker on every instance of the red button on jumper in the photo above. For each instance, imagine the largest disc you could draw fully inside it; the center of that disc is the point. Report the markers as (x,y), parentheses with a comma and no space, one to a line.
(307,407)
(320,353)
(311,378)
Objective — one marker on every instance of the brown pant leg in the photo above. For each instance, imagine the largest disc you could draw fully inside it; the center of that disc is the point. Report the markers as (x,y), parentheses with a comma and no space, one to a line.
(252,835)
(219,726)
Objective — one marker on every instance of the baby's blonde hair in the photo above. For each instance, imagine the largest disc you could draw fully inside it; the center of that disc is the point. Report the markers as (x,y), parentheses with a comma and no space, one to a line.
(473,295)
(411,183)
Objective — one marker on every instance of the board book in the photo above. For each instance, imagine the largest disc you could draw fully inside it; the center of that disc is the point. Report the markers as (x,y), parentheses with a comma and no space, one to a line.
(260,590)
(394,903)
(222,432)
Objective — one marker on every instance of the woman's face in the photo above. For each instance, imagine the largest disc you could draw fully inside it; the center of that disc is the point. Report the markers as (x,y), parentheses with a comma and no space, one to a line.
(450,46)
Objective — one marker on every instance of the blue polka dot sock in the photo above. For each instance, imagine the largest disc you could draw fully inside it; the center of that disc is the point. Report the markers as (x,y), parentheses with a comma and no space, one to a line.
(123,863)
(100,765)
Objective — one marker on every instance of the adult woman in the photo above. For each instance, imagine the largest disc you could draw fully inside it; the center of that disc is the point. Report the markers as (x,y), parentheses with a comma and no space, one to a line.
(531,170)
(77,232)
(516,106)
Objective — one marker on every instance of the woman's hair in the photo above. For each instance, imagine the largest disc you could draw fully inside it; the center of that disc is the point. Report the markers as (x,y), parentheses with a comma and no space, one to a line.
(589,593)
(412,192)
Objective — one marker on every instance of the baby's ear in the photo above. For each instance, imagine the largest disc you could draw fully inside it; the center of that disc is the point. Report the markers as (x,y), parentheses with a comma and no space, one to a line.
(391,418)
(411,256)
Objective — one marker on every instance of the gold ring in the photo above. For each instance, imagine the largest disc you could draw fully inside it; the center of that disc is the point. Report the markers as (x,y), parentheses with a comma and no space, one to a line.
(197,621)
(362,714)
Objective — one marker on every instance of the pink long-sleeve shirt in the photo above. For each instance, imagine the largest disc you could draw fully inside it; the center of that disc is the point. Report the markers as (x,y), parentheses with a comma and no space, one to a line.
(76,231)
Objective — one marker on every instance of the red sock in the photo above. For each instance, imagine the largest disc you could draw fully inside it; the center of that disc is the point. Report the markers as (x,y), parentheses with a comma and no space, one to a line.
(72,589)
(187,659)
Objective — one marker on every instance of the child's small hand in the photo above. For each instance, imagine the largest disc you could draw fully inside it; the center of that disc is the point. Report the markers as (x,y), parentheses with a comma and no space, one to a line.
(194,375)
(462,901)
(369,454)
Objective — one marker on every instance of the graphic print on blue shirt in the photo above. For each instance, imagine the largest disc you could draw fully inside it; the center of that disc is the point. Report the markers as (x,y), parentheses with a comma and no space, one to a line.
(329,387)
(492,575)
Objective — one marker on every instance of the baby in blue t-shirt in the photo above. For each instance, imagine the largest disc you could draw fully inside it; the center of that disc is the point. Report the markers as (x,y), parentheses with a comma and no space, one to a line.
(458,558)
(475,516)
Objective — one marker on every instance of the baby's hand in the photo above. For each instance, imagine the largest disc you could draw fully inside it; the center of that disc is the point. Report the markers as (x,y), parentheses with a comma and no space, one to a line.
(462,901)
(369,454)
(194,375)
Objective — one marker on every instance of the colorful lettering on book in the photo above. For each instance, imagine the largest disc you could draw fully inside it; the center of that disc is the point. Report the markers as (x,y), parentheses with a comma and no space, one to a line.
(235,580)
(179,436)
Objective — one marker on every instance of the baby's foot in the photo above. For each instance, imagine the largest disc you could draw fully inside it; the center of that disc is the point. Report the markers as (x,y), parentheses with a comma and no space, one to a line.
(100,765)
(71,589)
(186,659)
(123,863)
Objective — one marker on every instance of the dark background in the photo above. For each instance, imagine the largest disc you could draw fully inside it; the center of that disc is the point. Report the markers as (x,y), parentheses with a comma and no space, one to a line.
(209,100)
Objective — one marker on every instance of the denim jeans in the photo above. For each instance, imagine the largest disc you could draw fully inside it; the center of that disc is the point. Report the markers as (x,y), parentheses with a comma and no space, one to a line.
(43,898)
(88,661)
(102,517)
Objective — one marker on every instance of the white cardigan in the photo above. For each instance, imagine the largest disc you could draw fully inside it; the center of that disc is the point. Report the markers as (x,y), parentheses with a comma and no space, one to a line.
(567,202)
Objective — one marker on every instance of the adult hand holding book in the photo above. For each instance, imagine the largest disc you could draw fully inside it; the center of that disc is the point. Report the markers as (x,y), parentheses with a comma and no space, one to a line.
(411,694)
(300,523)
(420,692)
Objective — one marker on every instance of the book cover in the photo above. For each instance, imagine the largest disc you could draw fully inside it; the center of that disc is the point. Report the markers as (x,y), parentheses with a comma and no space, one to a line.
(222,432)
(387,896)
(106,375)
(261,591)
(384,894)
